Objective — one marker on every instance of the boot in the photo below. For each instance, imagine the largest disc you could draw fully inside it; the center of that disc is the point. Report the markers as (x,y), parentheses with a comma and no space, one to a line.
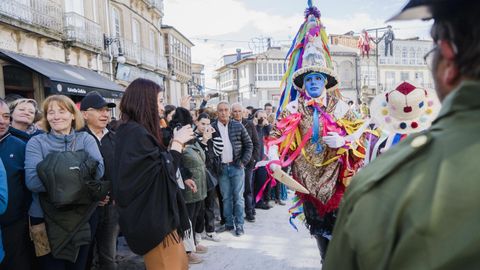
(322,244)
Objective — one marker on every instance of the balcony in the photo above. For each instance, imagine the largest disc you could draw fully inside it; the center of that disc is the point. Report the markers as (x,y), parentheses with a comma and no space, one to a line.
(137,55)
(40,16)
(130,50)
(157,4)
(82,30)
(148,58)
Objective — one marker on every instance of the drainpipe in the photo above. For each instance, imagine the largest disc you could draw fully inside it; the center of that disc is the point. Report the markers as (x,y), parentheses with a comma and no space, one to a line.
(357,71)
(110,60)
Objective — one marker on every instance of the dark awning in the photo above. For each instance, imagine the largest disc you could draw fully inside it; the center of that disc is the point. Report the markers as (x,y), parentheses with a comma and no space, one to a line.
(67,79)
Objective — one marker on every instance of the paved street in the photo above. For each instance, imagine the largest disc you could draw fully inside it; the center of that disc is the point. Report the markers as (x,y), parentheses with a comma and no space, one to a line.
(269,243)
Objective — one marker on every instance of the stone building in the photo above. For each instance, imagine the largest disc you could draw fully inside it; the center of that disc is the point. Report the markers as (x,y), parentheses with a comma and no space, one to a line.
(73,47)
(179,59)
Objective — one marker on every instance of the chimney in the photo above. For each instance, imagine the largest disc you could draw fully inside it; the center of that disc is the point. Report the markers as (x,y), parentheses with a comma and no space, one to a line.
(239,54)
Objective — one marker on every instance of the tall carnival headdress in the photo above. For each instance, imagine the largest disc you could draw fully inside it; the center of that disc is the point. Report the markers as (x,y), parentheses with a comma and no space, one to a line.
(309,53)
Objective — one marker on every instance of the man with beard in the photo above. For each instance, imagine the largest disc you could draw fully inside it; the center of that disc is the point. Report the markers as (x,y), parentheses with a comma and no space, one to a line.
(416,206)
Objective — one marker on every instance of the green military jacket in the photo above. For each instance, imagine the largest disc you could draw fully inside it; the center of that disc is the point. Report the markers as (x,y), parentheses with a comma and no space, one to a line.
(417,206)
(193,159)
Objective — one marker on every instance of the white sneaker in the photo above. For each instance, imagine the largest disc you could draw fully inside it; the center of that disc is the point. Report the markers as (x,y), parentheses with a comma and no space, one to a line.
(198,238)
(212,237)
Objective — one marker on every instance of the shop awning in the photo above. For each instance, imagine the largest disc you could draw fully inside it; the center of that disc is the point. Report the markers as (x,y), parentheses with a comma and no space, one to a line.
(67,79)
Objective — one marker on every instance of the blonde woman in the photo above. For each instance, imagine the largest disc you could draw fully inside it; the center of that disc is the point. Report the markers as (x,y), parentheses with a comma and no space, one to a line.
(24,112)
(61,120)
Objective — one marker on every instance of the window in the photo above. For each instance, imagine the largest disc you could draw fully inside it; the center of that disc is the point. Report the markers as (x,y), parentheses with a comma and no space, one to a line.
(346,72)
(419,77)
(116,28)
(135,32)
(404,52)
(161,47)
(412,53)
(389,80)
(151,39)
(404,76)
(95,12)
(74,6)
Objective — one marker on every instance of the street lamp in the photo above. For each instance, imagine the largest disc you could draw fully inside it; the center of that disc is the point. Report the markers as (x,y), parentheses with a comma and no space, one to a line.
(107,41)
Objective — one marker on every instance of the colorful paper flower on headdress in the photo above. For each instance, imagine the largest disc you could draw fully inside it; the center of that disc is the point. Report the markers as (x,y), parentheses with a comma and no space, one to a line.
(309,53)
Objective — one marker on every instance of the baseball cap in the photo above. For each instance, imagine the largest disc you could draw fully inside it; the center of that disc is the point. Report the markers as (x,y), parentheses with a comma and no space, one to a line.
(96,101)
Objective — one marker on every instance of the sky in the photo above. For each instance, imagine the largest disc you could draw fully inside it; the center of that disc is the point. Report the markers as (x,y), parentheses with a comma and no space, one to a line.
(219,27)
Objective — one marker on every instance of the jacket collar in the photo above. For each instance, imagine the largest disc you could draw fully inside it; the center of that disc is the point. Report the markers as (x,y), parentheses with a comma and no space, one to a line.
(465,97)
(106,132)
(5,136)
(62,138)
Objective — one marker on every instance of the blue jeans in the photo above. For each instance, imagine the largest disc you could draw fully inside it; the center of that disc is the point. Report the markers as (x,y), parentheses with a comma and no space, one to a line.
(232,185)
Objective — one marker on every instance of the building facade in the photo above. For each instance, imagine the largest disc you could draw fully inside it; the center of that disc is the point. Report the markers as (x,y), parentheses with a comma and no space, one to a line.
(64,32)
(255,79)
(73,47)
(134,31)
(252,79)
(197,84)
(179,62)
(406,64)
(346,65)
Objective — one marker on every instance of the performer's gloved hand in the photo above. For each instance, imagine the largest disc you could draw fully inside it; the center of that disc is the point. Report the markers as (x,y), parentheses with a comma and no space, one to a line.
(275,167)
(334,140)
(273,155)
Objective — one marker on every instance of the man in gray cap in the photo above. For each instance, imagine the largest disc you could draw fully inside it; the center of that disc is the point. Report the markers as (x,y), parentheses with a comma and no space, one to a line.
(416,206)
(96,113)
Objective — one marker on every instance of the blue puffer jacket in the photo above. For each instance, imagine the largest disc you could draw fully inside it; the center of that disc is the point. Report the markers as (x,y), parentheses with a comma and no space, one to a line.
(3,201)
(12,153)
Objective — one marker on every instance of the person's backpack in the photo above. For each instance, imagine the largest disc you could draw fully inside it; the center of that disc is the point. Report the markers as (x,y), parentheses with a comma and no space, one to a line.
(69,178)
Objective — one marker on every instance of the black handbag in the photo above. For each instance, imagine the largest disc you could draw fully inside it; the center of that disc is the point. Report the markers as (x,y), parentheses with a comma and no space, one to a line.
(212,181)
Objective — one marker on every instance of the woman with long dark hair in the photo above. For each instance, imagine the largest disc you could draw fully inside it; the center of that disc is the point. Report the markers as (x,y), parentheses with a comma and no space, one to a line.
(153,216)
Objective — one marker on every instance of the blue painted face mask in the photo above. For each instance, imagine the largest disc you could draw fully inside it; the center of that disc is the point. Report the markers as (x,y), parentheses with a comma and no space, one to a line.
(314,84)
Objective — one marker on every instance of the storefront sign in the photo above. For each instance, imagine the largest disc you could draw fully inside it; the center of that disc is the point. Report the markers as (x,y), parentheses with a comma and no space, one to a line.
(79,90)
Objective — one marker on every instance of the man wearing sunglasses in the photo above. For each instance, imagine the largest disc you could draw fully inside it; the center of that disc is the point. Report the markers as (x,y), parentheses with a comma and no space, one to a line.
(416,206)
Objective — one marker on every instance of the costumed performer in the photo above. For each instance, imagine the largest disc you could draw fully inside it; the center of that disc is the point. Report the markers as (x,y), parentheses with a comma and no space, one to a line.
(316,133)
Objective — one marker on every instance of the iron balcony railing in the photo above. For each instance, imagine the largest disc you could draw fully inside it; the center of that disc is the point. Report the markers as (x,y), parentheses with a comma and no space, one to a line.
(158,4)
(45,14)
(82,30)
(129,49)
(138,54)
